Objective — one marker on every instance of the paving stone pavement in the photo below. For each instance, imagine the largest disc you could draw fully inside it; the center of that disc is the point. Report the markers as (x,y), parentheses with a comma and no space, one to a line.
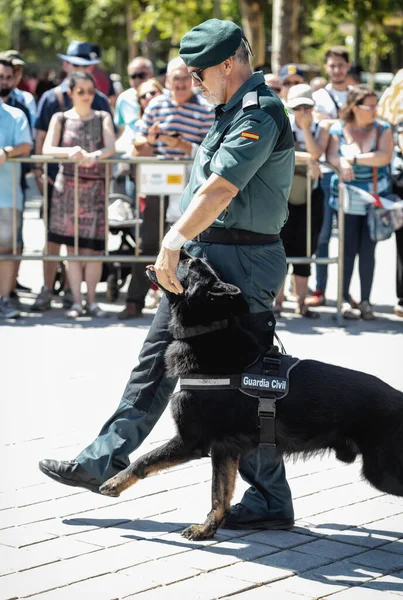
(61,380)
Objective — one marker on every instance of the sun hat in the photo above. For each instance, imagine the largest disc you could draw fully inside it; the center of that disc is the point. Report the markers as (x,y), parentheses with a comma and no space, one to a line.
(81,54)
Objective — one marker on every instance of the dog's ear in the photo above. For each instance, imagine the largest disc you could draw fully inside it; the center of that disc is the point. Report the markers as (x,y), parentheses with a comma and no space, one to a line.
(221,289)
(228,297)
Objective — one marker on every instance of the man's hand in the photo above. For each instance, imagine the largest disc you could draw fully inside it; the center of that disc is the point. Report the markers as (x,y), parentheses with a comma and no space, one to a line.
(172,141)
(165,270)
(153,133)
(3,157)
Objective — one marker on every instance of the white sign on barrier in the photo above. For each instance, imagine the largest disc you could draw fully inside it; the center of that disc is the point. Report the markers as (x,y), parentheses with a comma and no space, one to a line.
(161,179)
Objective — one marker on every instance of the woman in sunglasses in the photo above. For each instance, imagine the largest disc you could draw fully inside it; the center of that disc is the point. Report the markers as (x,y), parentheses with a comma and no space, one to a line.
(145,93)
(84,136)
(361,148)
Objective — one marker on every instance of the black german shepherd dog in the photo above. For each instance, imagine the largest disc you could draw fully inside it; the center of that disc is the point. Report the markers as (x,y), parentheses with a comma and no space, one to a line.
(327,407)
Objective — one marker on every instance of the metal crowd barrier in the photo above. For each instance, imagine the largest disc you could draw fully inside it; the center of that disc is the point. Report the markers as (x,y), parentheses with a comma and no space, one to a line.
(45,160)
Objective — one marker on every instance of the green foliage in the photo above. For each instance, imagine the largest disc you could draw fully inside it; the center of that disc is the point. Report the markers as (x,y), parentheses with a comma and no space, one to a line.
(326,21)
(41,28)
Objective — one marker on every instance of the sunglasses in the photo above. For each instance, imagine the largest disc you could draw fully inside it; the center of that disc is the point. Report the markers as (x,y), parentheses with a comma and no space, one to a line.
(196,75)
(275,89)
(151,93)
(303,107)
(139,75)
(365,107)
(81,92)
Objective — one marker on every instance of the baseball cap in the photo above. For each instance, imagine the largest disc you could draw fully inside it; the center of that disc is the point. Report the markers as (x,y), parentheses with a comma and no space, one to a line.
(290,69)
(300,95)
(15,57)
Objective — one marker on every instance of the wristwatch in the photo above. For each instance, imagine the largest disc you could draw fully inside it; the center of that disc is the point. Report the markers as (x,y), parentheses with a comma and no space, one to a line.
(355,160)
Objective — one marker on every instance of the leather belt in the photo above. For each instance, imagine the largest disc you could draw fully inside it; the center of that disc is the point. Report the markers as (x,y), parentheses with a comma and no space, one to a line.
(220,235)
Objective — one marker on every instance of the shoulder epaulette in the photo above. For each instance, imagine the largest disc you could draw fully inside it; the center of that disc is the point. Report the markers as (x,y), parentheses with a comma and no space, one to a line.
(250,100)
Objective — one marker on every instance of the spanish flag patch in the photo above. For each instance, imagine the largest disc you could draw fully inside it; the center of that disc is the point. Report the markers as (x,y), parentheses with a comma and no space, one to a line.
(250,135)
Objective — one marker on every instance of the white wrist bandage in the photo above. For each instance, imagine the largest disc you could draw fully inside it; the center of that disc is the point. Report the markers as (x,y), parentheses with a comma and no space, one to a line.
(173,240)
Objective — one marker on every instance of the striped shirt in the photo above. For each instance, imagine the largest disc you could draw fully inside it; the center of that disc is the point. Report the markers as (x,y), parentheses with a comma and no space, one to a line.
(192,120)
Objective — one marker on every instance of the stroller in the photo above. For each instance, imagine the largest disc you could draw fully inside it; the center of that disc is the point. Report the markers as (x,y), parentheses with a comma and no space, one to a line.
(122,240)
(122,226)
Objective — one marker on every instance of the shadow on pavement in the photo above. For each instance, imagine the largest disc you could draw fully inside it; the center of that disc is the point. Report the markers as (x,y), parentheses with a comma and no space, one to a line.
(355,565)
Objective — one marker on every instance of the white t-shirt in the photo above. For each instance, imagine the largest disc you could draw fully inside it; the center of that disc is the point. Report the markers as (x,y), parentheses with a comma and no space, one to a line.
(328,100)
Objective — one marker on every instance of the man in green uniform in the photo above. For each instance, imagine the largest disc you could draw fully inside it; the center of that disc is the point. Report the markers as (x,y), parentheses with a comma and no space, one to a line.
(233,210)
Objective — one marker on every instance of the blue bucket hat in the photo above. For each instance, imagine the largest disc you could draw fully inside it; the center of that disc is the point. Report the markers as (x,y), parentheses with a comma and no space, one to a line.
(81,54)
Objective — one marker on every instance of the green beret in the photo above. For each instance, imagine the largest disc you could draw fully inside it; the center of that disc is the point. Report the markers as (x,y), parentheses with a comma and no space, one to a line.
(210,43)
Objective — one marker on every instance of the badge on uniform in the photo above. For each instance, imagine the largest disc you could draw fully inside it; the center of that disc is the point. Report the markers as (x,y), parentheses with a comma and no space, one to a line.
(250,135)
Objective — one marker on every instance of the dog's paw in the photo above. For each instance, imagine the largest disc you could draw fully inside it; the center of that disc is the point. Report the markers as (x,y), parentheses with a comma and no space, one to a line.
(111,488)
(197,532)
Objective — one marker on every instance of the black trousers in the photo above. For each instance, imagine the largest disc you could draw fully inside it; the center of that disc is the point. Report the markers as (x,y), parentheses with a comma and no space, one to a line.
(293,233)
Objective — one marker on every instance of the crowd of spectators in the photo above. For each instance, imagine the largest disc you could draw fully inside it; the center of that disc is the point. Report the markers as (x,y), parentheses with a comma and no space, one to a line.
(89,115)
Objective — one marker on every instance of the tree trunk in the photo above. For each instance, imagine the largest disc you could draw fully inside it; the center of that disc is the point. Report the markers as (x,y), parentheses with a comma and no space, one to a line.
(131,46)
(217,9)
(253,27)
(285,36)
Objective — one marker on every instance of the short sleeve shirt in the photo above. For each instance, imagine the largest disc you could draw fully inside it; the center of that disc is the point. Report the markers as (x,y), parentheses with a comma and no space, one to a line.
(328,101)
(250,145)
(27,99)
(14,130)
(127,109)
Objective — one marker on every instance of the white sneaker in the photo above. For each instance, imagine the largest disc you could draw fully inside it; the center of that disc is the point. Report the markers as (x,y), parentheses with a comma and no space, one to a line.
(152,300)
(7,309)
(398,310)
(349,312)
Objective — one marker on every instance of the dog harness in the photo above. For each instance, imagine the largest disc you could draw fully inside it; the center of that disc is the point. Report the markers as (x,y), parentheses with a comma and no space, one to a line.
(267,379)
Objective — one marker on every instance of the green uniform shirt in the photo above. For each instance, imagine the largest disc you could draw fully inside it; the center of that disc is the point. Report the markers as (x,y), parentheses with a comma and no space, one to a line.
(250,144)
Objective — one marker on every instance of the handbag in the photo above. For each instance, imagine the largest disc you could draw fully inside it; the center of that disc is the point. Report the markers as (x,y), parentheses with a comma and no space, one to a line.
(382,222)
(299,189)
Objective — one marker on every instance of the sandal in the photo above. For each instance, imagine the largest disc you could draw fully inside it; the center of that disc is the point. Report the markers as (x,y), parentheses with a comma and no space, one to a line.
(94,310)
(75,311)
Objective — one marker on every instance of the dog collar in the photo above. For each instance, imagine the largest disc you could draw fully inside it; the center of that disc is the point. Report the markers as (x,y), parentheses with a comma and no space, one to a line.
(181,333)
